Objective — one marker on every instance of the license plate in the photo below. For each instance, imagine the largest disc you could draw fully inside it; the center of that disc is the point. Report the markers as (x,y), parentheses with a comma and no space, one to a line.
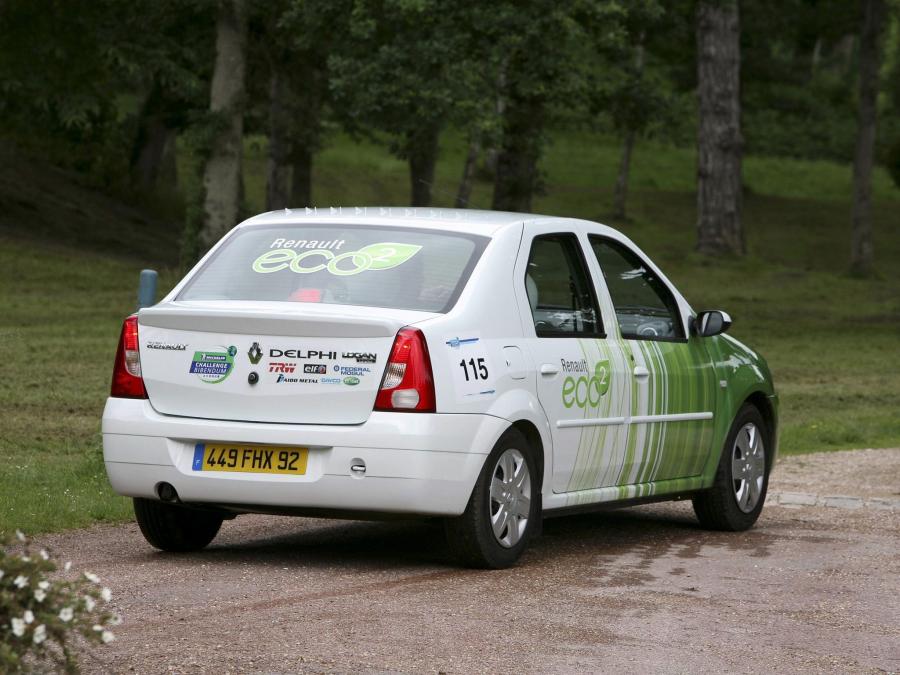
(250,458)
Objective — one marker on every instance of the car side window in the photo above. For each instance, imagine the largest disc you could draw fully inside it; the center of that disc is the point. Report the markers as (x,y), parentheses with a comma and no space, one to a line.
(559,291)
(645,307)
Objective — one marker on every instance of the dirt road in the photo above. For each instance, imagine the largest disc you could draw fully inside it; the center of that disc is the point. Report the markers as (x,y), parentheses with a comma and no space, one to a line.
(811,588)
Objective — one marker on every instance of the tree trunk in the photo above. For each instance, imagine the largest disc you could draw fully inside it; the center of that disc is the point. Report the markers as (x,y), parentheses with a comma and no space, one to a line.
(465,185)
(621,193)
(517,177)
(490,155)
(301,178)
(422,150)
(278,168)
(620,196)
(719,143)
(153,155)
(222,173)
(861,249)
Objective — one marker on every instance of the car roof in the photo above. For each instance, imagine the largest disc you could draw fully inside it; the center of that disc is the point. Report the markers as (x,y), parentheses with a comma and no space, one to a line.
(471,221)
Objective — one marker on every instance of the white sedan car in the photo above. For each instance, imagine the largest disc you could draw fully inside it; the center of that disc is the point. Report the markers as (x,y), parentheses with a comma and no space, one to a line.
(488,368)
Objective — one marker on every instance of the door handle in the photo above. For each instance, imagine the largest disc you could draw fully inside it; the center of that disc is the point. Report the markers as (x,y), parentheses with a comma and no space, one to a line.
(641,373)
(549,369)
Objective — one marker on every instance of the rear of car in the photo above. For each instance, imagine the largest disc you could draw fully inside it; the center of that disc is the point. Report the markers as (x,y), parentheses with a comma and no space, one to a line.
(290,373)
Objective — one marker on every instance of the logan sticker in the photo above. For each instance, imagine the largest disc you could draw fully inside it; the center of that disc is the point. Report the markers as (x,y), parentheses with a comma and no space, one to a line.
(213,366)
(382,256)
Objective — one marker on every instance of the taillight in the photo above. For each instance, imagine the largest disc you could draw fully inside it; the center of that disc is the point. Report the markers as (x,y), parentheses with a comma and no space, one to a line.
(408,384)
(126,380)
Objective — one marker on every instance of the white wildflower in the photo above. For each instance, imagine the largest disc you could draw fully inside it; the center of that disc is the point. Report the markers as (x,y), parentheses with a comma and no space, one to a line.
(44,585)
(18,627)
(97,627)
(93,578)
(67,566)
(26,558)
(1,574)
(89,603)
(39,595)
(20,582)
(44,554)
(40,634)
(66,614)
(107,636)
(19,535)
(106,594)
(28,616)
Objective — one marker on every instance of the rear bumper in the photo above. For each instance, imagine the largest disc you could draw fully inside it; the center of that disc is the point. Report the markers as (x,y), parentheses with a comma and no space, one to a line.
(422,464)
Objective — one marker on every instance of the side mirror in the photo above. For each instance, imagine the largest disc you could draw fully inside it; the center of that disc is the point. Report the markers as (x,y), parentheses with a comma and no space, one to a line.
(711,322)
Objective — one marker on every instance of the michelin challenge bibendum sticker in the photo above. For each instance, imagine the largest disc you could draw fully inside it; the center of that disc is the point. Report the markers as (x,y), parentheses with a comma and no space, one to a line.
(213,366)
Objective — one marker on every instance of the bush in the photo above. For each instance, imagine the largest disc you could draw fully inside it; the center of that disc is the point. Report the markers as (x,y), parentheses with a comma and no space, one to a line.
(40,616)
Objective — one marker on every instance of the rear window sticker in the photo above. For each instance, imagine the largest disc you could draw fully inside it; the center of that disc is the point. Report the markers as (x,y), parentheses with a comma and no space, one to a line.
(381,256)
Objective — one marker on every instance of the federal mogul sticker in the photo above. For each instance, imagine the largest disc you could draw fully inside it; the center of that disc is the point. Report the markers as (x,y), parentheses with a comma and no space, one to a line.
(213,366)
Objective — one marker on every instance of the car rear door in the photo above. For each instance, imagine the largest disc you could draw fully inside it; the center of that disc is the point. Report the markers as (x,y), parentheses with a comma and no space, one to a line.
(583,380)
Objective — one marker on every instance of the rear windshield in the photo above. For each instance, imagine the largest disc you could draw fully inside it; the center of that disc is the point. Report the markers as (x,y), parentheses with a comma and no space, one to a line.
(374,266)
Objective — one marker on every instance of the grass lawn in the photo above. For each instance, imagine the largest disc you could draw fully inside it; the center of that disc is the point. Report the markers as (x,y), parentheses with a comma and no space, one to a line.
(833,342)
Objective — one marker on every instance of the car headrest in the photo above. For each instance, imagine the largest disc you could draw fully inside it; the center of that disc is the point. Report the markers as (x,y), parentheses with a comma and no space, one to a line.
(532,290)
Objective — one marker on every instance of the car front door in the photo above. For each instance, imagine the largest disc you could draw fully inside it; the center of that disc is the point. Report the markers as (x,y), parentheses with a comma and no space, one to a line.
(672,406)
(584,381)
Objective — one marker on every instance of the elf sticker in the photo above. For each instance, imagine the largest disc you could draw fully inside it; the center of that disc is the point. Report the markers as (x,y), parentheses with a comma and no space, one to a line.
(213,366)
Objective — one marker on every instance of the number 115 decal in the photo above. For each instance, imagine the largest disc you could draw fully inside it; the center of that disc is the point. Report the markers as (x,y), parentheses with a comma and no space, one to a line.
(473,374)
(477,367)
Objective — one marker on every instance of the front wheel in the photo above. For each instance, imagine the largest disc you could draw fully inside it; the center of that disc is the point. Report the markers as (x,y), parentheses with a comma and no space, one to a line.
(503,510)
(175,528)
(736,498)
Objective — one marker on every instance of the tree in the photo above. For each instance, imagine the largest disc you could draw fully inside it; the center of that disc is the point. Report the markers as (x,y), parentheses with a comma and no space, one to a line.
(549,50)
(719,143)
(405,71)
(862,251)
(222,174)
(295,40)
(167,53)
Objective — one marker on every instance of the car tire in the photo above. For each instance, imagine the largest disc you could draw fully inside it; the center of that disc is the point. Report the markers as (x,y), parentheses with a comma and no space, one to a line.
(738,493)
(175,528)
(472,536)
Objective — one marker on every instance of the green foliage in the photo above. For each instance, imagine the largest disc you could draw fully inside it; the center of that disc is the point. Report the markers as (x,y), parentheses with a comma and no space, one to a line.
(40,615)
(71,74)
(406,67)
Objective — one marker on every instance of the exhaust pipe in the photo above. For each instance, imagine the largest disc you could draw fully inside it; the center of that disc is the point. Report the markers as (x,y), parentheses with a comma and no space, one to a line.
(167,493)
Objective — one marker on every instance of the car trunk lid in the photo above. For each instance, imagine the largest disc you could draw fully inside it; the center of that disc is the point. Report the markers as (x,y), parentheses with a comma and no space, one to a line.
(267,361)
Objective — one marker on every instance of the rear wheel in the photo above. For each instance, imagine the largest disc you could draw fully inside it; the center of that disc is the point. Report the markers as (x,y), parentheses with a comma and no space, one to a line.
(502,512)
(175,528)
(736,498)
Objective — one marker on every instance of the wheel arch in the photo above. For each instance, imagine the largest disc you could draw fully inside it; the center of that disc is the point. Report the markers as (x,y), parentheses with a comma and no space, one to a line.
(765,406)
(533,436)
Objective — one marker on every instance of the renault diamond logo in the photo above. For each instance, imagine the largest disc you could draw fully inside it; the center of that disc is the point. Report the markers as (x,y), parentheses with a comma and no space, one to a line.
(255,353)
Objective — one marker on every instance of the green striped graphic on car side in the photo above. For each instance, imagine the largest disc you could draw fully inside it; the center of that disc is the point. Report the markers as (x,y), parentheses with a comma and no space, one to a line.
(636,457)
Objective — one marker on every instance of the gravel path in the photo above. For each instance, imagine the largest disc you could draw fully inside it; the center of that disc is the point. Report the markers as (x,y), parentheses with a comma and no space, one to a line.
(635,590)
